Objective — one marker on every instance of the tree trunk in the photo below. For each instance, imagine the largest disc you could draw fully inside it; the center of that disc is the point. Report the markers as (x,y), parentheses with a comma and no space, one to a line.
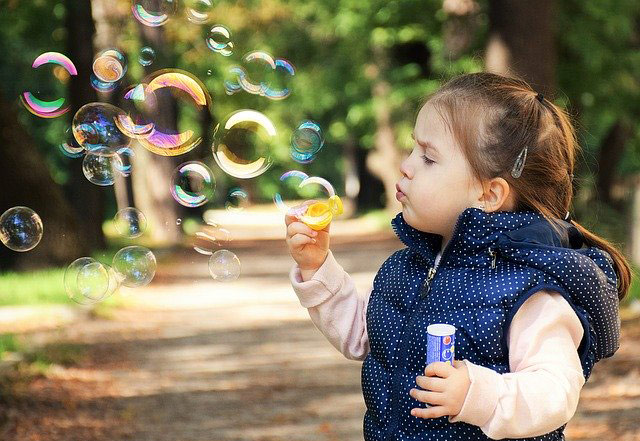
(522,42)
(87,199)
(609,156)
(26,181)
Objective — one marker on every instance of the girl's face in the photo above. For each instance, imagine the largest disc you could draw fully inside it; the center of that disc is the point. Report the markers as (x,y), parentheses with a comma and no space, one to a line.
(437,184)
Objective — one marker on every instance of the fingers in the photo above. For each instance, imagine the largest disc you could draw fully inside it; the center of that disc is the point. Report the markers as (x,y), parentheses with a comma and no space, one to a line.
(299,240)
(430,412)
(438,369)
(425,396)
(434,384)
(299,228)
(291,217)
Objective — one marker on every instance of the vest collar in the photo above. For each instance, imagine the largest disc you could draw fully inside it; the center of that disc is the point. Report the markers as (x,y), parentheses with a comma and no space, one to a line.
(476,230)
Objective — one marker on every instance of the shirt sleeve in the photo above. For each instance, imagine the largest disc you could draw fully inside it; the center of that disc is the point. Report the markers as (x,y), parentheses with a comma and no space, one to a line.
(335,307)
(542,390)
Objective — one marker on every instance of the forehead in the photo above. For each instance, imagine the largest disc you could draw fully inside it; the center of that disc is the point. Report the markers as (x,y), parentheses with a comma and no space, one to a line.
(431,127)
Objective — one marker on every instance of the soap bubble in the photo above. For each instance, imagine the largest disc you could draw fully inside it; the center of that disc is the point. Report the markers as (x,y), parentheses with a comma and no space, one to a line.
(109,65)
(87,281)
(42,108)
(237,199)
(192,184)
(99,166)
(224,266)
(198,10)
(94,127)
(147,56)
(219,40)
(171,88)
(153,12)
(261,74)
(278,79)
(69,147)
(306,142)
(135,266)
(242,143)
(292,179)
(130,222)
(102,86)
(210,237)
(20,229)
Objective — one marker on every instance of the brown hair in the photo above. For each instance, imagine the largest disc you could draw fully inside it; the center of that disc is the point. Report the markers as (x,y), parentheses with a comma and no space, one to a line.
(493,118)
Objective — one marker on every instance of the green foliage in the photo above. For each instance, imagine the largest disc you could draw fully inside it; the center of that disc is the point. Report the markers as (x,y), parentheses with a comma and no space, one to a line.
(33,288)
(8,343)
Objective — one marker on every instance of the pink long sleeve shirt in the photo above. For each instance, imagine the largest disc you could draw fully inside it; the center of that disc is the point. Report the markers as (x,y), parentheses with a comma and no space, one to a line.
(543,339)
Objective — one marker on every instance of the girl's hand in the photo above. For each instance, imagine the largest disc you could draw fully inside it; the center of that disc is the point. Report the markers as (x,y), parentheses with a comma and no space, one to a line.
(445,389)
(309,248)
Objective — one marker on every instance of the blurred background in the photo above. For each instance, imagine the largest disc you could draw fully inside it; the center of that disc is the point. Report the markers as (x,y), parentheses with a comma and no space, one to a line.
(187,357)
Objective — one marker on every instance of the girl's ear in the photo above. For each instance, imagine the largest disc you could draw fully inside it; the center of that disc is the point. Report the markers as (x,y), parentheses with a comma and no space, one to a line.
(497,195)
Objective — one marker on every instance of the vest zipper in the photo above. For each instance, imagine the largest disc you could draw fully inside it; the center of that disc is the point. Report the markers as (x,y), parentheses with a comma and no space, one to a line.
(493,255)
(426,286)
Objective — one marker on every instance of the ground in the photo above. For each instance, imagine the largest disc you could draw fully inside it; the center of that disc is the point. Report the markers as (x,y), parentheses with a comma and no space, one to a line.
(190,359)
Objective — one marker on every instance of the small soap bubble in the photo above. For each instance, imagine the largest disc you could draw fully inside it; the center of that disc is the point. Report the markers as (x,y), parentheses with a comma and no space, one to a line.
(109,65)
(100,166)
(178,221)
(135,266)
(69,147)
(192,184)
(198,10)
(224,266)
(130,222)
(102,86)
(237,199)
(153,13)
(147,56)
(306,142)
(20,229)
(219,40)
(87,281)
(243,142)
(94,127)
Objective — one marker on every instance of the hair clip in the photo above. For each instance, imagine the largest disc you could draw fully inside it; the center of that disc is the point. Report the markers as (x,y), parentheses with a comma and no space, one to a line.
(539,97)
(519,165)
(567,217)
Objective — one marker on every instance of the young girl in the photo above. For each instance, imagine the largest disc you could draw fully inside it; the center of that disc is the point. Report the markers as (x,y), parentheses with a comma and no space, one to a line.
(534,298)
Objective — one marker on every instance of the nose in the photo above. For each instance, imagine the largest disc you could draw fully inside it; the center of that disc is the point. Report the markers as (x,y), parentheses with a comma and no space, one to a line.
(405,169)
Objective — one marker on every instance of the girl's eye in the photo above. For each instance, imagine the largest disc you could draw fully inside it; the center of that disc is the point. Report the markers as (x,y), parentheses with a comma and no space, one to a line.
(427,160)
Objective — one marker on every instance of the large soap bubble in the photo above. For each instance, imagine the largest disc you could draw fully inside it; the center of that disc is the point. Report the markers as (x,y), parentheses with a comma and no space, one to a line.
(20,229)
(135,266)
(94,126)
(192,184)
(224,266)
(153,12)
(166,91)
(54,108)
(243,142)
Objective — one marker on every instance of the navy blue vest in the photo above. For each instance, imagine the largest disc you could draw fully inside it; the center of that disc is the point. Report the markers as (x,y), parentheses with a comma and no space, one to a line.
(492,264)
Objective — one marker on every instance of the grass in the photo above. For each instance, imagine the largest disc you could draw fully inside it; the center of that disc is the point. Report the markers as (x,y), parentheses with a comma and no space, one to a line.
(40,287)
(8,343)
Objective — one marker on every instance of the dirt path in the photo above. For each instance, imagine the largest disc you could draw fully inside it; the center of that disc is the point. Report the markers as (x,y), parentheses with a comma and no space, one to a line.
(196,360)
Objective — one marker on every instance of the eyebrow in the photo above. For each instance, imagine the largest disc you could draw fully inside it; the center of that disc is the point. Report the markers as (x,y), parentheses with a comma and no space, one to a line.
(425,144)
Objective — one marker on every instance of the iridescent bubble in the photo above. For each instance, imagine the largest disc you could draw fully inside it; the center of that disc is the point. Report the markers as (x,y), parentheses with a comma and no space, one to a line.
(178,221)
(237,199)
(102,86)
(324,213)
(292,179)
(94,126)
(153,12)
(210,236)
(42,108)
(242,143)
(198,10)
(123,166)
(172,88)
(135,266)
(100,166)
(192,184)
(87,281)
(147,56)
(70,147)
(130,222)
(20,229)
(219,40)
(261,75)
(109,65)
(306,142)
(276,88)
(224,266)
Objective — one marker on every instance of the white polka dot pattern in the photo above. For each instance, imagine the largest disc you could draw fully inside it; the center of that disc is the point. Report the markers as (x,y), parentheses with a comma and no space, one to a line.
(492,264)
